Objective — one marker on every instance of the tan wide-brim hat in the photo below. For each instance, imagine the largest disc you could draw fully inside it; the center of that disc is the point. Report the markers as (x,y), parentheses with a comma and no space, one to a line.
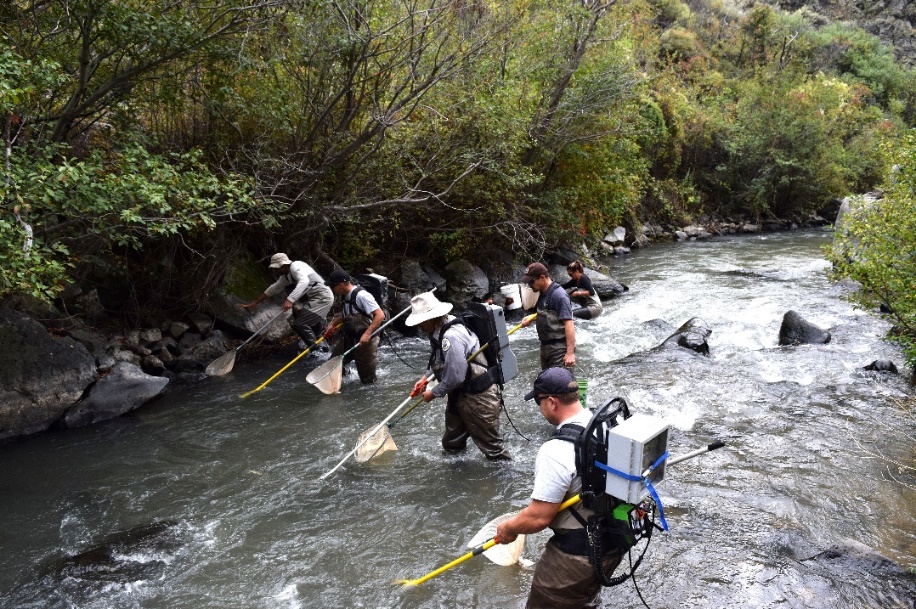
(279,260)
(426,306)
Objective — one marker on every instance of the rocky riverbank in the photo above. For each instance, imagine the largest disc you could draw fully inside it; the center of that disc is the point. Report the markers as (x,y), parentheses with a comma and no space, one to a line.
(72,370)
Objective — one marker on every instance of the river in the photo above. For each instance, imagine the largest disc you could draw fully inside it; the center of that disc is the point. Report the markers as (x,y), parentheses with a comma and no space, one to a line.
(224,507)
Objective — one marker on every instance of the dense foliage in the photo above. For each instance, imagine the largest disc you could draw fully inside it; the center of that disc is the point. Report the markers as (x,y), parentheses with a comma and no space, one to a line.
(142,135)
(874,247)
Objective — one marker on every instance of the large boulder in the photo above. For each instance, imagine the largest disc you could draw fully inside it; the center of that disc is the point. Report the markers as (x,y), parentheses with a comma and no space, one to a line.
(795,330)
(40,376)
(245,280)
(199,356)
(123,389)
(414,278)
(466,283)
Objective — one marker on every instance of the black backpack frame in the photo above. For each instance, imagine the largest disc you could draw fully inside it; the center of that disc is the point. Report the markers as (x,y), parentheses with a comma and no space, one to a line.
(614,521)
(502,365)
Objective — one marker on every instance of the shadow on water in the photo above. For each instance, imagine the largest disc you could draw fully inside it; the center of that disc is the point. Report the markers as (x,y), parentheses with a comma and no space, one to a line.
(795,512)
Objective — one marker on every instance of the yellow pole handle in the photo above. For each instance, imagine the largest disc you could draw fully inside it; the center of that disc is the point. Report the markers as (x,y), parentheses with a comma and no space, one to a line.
(475,551)
(284,368)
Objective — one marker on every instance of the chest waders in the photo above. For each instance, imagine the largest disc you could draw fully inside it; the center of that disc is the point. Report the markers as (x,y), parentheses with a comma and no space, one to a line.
(613,525)
(355,320)
(550,329)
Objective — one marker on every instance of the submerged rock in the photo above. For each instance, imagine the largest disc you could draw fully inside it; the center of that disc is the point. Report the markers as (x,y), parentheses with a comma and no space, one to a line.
(882,365)
(692,335)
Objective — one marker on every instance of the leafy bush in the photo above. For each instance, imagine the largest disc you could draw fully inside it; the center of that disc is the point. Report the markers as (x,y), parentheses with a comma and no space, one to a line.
(874,246)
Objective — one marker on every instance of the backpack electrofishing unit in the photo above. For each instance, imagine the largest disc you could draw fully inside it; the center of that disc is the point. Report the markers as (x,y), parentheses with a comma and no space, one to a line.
(377,285)
(619,457)
(488,323)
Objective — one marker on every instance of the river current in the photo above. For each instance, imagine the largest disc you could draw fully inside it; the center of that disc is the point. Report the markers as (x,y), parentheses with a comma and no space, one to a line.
(205,500)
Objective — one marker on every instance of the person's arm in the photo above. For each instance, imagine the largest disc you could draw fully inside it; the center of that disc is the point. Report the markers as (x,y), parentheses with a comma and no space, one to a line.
(570,358)
(378,316)
(535,517)
(254,303)
(586,288)
(564,312)
(332,327)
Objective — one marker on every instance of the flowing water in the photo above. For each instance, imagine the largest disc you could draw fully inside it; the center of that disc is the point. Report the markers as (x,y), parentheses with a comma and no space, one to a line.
(204,500)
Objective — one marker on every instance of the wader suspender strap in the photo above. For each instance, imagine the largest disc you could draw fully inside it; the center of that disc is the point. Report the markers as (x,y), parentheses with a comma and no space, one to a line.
(351,302)
(571,433)
(437,343)
(553,287)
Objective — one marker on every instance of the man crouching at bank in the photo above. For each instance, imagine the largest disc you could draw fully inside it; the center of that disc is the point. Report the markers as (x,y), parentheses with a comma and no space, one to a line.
(563,578)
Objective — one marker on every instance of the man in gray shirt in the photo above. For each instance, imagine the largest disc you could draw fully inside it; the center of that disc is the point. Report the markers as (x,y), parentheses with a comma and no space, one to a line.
(554,322)
(473,409)
(307,295)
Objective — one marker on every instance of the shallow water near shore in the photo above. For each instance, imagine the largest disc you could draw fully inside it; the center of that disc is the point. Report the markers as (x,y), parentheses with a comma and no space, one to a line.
(796,511)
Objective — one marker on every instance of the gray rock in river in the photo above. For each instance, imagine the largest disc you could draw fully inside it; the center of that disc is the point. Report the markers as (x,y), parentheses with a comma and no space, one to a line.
(882,365)
(40,376)
(795,330)
(692,335)
(139,554)
(123,389)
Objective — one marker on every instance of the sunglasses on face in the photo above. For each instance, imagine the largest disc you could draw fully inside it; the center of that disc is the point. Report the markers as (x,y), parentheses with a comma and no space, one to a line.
(538,398)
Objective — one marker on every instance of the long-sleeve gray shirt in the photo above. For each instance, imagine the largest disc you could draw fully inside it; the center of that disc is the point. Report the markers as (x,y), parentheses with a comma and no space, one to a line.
(458,344)
(301,275)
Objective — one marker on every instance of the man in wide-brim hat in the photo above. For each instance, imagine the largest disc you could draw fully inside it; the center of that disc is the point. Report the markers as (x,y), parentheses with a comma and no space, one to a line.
(473,409)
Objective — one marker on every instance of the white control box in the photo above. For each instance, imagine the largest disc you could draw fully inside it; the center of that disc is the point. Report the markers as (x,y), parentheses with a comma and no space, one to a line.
(633,446)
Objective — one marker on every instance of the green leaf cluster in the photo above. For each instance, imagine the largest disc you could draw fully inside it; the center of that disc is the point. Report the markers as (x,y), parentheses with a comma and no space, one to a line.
(873,246)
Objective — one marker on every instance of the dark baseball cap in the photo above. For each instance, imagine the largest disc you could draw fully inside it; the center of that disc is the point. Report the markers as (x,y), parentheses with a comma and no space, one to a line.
(534,270)
(553,381)
(337,277)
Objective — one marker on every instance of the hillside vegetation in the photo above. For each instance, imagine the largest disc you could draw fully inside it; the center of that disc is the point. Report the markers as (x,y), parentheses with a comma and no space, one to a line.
(150,143)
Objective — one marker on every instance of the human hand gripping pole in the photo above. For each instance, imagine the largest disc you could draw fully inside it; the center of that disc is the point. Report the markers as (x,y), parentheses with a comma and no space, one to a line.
(482,548)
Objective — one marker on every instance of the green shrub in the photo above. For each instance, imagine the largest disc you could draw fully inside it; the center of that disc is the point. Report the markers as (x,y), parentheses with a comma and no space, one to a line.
(875,247)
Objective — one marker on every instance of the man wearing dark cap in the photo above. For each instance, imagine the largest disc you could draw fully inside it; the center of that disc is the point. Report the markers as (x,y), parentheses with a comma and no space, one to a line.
(307,295)
(360,315)
(555,319)
(564,578)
